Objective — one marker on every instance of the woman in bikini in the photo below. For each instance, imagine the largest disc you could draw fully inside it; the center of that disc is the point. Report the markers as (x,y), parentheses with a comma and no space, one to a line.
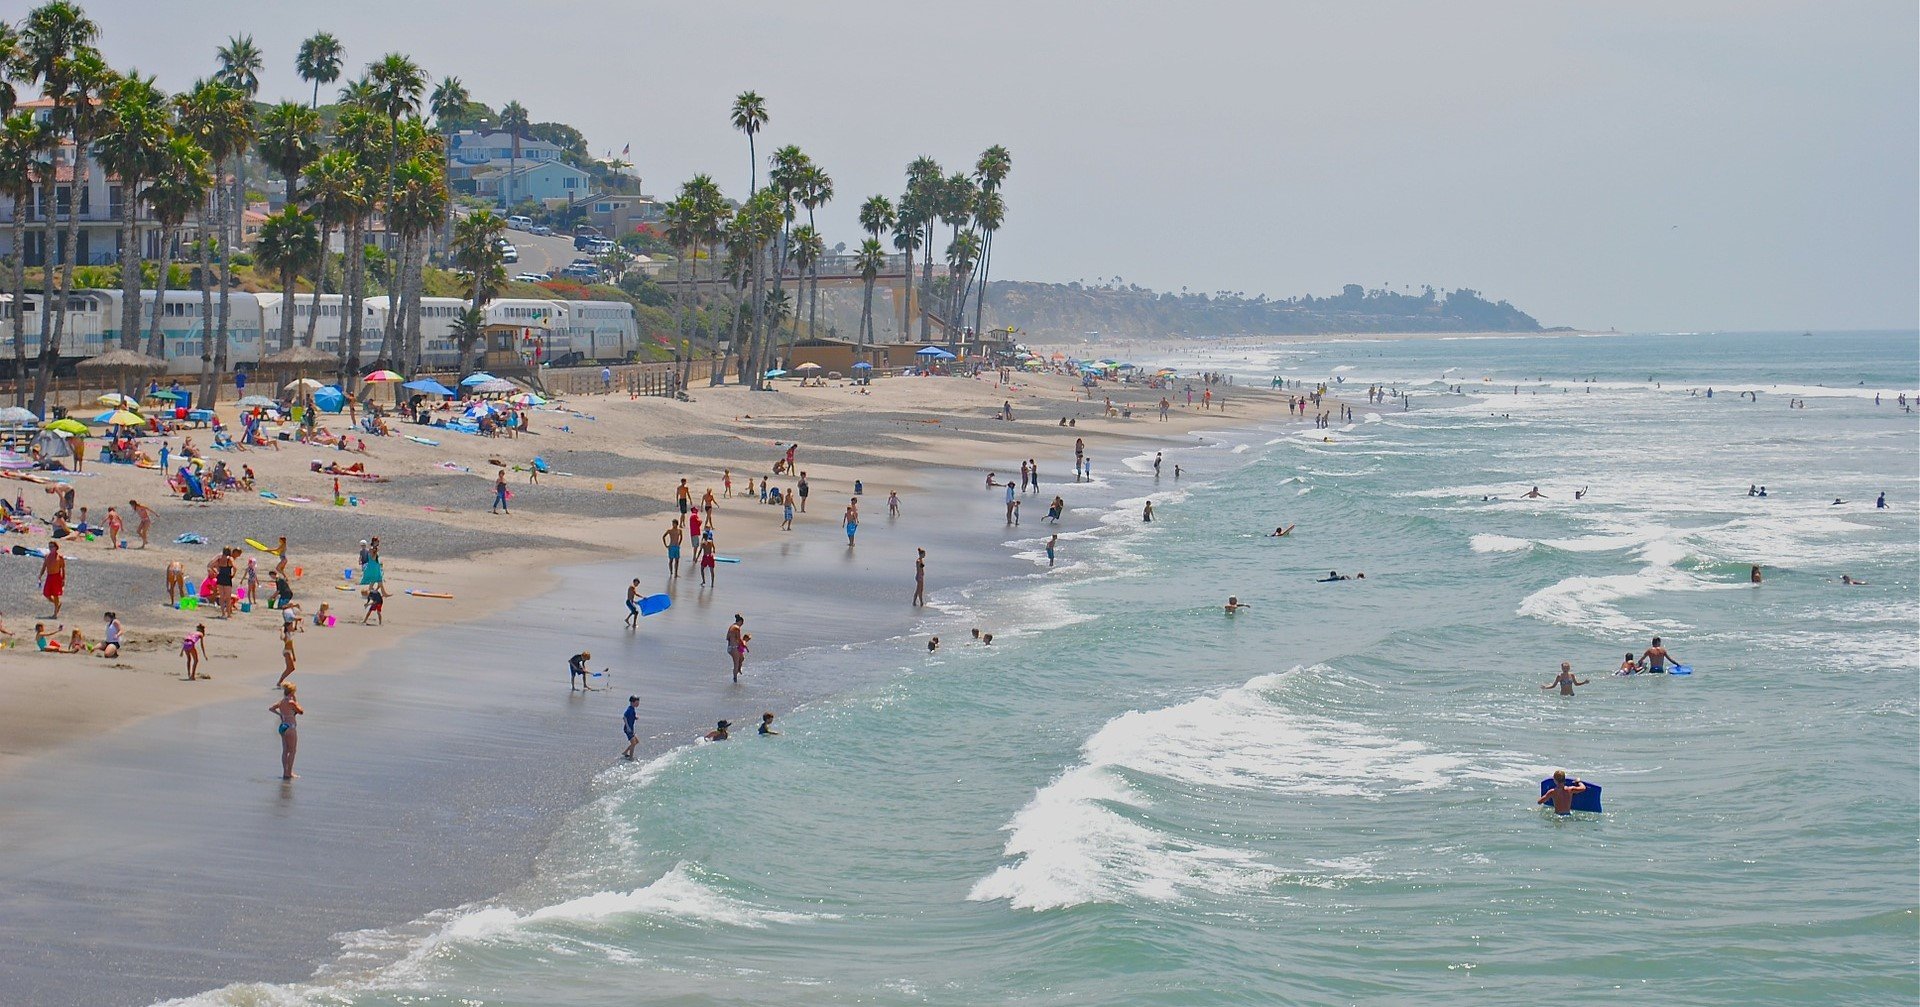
(288,708)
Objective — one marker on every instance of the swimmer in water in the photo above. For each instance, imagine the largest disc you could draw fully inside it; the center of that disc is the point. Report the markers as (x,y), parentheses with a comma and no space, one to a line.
(1881,504)
(1580,494)
(1628,665)
(1281,532)
(1851,582)
(1333,575)
(1565,680)
(1562,793)
(1656,657)
(1533,494)
(933,645)
(1234,604)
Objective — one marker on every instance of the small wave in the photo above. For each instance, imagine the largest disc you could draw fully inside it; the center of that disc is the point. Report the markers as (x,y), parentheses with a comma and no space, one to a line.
(1088,836)
(1499,543)
(680,893)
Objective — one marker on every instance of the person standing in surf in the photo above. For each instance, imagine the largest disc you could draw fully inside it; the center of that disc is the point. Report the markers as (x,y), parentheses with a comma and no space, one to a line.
(671,539)
(1565,680)
(920,578)
(1562,793)
(288,708)
(628,719)
(737,644)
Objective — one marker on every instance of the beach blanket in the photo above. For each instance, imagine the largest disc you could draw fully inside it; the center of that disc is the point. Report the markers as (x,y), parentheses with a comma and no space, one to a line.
(190,538)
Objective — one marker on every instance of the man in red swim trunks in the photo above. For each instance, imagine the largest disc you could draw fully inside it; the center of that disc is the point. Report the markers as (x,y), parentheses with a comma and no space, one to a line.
(53,576)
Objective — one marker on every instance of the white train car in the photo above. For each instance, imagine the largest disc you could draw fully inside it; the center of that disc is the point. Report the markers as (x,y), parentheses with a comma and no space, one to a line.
(183,328)
(82,335)
(326,335)
(602,330)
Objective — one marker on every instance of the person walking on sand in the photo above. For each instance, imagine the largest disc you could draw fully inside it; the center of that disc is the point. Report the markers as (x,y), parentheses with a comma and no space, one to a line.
(920,578)
(628,718)
(1561,793)
(726,483)
(114,528)
(893,504)
(143,516)
(671,539)
(500,493)
(288,708)
(1565,680)
(683,495)
(633,604)
(287,629)
(737,638)
(708,571)
(852,520)
(803,483)
(53,577)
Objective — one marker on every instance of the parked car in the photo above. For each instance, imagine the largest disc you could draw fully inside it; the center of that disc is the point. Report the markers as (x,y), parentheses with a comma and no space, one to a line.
(581,270)
(582,240)
(519,223)
(541,230)
(508,253)
(531,277)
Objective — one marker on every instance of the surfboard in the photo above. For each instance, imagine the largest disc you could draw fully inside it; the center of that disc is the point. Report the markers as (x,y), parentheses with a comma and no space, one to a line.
(423,440)
(428,594)
(654,604)
(257,544)
(726,559)
(282,503)
(1586,800)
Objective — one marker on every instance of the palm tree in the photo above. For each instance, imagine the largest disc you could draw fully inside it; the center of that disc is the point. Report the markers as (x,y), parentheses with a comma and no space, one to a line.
(919,204)
(218,114)
(869,261)
(333,194)
(9,58)
(815,190)
(289,141)
(788,165)
(23,146)
(240,62)
(876,216)
(758,222)
(807,250)
(420,203)
(989,172)
(288,242)
(712,213)
(360,131)
(56,52)
(907,240)
(137,128)
(515,120)
(681,220)
(468,326)
(750,116)
(476,249)
(397,85)
(956,211)
(962,253)
(183,175)
(448,104)
(319,61)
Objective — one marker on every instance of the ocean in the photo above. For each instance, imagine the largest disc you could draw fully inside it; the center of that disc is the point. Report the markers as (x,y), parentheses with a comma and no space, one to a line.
(1130,798)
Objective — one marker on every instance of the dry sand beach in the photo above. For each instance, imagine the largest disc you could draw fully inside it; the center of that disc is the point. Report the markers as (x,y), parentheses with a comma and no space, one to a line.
(150,828)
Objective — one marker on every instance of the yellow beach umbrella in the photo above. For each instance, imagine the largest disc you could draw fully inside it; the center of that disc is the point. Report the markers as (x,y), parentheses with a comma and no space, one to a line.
(122,418)
(66,426)
(118,400)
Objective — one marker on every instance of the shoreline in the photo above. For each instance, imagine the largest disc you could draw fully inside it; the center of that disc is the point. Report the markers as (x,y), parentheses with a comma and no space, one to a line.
(429,709)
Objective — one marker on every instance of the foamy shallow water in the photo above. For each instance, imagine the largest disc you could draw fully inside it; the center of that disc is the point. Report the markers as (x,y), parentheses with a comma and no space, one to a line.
(1132,798)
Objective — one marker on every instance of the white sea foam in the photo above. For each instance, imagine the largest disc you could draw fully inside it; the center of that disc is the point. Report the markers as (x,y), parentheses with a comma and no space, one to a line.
(1499,543)
(1088,837)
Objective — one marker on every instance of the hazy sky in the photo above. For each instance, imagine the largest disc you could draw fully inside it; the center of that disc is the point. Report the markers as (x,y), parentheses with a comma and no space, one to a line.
(1646,165)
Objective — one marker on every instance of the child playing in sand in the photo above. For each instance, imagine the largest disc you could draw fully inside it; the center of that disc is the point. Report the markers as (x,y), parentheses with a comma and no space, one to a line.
(194,647)
(376,602)
(320,617)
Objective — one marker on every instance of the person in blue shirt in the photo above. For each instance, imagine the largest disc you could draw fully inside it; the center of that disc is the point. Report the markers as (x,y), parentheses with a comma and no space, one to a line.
(632,713)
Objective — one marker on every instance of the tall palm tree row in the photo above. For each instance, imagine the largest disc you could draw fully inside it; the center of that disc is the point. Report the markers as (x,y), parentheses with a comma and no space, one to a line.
(136,126)
(476,250)
(318,62)
(515,119)
(24,147)
(876,215)
(183,175)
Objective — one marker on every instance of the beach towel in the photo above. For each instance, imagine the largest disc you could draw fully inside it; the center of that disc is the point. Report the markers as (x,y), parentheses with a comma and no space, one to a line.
(190,538)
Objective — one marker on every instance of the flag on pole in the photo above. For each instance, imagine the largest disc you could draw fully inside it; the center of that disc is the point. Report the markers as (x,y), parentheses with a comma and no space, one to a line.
(628,149)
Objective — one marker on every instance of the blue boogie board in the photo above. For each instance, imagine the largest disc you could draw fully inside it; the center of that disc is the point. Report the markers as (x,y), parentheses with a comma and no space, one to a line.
(1586,800)
(654,604)
(1680,669)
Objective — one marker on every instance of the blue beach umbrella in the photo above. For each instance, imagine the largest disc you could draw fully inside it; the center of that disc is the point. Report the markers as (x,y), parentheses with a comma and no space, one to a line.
(476,378)
(776,373)
(429,386)
(329,399)
(863,366)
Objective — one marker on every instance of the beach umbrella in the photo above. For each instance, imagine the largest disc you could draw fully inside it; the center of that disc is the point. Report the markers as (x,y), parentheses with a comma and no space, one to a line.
(929,351)
(329,399)
(481,408)
(863,366)
(496,386)
(166,396)
(302,385)
(117,400)
(476,378)
(429,386)
(527,399)
(776,373)
(119,418)
(15,414)
(13,461)
(382,375)
(66,426)
(250,401)
(806,367)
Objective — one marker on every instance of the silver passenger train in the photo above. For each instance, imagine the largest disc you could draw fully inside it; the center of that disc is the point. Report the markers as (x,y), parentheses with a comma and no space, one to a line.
(563,330)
